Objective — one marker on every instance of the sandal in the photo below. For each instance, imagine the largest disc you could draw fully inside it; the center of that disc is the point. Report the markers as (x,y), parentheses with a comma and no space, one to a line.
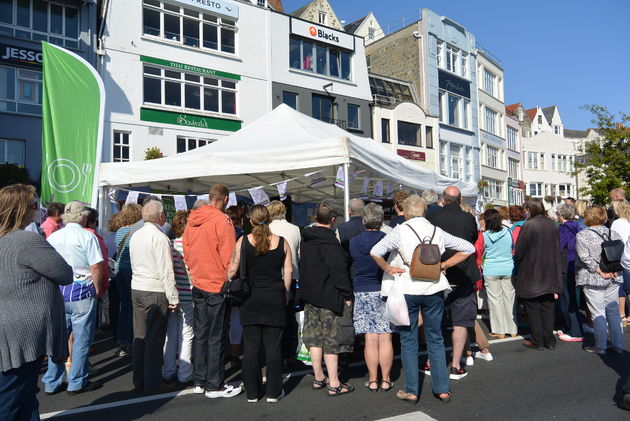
(410,398)
(367,385)
(445,399)
(320,384)
(390,384)
(339,390)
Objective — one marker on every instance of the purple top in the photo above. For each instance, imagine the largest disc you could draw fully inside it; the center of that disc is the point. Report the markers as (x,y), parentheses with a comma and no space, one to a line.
(568,230)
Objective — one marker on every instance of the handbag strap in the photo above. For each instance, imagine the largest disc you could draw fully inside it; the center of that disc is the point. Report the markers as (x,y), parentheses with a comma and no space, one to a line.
(242,265)
(601,236)
(422,242)
(121,246)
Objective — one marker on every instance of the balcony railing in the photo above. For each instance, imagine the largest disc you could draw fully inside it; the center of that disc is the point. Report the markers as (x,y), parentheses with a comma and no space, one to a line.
(339,123)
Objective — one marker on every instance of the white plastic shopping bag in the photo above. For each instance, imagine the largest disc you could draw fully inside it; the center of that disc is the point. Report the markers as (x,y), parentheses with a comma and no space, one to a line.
(396,307)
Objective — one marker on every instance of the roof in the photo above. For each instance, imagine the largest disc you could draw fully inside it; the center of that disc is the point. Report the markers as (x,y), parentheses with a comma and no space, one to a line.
(575,134)
(276,5)
(302,9)
(548,112)
(353,26)
(511,109)
(531,113)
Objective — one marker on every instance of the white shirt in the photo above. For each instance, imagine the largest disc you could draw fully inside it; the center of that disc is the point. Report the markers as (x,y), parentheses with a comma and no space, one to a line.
(622,227)
(152,262)
(79,248)
(291,234)
(625,259)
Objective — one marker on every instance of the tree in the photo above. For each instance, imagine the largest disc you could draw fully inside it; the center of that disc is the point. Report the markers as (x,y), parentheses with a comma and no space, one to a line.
(153,153)
(606,162)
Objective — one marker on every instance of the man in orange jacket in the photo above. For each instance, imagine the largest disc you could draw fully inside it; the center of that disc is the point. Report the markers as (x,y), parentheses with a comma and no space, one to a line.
(209,242)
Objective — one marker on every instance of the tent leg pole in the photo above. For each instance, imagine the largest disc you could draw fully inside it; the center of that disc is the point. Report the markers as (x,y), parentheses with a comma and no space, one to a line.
(346,191)
(101,209)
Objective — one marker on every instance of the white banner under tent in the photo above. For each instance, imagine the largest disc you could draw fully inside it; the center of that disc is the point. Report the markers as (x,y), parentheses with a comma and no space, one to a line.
(282,145)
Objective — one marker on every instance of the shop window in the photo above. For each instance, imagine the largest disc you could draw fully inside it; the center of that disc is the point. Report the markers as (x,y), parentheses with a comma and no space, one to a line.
(12,152)
(319,58)
(188,91)
(20,90)
(39,20)
(185,144)
(121,146)
(188,27)
(408,134)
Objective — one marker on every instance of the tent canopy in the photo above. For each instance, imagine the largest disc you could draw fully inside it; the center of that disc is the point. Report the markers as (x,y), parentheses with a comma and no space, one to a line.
(282,145)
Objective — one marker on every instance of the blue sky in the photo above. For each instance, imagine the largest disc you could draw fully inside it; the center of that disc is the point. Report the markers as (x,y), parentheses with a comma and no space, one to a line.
(554,52)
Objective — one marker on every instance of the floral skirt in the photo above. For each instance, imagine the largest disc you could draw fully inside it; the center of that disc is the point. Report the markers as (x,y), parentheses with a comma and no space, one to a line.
(369,313)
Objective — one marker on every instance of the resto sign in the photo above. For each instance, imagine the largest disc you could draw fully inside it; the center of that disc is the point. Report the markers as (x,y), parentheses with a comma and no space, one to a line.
(416,156)
(322,34)
(215,6)
(22,56)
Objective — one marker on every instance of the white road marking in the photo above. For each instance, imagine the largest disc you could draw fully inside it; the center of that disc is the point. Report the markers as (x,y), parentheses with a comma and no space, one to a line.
(412,416)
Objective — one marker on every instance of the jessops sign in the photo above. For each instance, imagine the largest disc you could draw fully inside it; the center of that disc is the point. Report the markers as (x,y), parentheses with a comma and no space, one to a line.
(214,6)
(322,34)
(21,56)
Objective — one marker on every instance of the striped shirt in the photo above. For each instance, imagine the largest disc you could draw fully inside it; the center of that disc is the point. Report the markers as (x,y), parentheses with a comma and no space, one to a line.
(123,261)
(183,283)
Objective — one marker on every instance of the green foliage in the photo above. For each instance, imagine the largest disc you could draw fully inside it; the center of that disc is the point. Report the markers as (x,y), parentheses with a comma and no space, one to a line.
(606,163)
(153,153)
(12,174)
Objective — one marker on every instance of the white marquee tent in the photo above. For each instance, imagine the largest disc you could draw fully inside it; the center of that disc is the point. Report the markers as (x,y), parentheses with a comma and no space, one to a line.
(282,145)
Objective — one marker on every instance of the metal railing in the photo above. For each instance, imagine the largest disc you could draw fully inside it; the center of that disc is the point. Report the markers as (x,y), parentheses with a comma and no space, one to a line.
(399,23)
(488,54)
(339,123)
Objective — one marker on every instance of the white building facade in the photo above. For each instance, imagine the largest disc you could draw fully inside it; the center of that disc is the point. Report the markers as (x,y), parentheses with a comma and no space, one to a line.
(515,183)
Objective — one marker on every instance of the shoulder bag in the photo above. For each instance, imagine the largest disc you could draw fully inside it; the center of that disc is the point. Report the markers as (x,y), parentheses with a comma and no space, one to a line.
(237,290)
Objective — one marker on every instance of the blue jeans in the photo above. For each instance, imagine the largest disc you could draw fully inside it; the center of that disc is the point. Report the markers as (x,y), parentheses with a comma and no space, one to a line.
(80,319)
(432,308)
(18,392)
(125,316)
(624,287)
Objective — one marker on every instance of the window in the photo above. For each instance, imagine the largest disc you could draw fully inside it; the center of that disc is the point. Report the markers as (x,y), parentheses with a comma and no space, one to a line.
(443,159)
(321,17)
(322,108)
(385,130)
(122,146)
(456,161)
(452,54)
(491,121)
(290,98)
(188,91)
(454,110)
(353,117)
(489,81)
(262,3)
(188,27)
(408,134)
(513,169)
(492,157)
(469,167)
(39,20)
(185,144)
(429,137)
(320,58)
(556,129)
(494,189)
(371,32)
(539,119)
(564,190)
(454,113)
(535,189)
(512,138)
(20,90)
(541,159)
(12,152)
(532,161)
(439,52)
(464,64)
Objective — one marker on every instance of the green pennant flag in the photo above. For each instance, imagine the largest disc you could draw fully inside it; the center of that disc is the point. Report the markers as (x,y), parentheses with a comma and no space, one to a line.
(72,127)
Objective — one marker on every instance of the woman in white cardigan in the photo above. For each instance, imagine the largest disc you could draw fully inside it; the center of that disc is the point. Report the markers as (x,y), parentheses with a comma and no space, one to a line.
(422,296)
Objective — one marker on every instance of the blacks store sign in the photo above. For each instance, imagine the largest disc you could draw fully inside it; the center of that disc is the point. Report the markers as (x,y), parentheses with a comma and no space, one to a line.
(24,57)
(454,84)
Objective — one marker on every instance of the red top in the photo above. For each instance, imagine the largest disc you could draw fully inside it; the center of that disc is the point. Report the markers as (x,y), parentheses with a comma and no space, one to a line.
(49,226)
(105,263)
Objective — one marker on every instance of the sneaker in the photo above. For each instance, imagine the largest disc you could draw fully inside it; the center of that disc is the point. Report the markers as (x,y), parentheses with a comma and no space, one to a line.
(457,373)
(615,350)
(558,332)
(252,400)
(121,353)
(595,350)
(426,369)
(227,391)
(468,361)
(199,390)
(484,356)
(89,387)
(568,338)
(274,400)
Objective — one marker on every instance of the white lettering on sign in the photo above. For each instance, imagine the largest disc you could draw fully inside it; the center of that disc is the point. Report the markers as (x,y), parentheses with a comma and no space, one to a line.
(215,6)
(322,34)
(22,54)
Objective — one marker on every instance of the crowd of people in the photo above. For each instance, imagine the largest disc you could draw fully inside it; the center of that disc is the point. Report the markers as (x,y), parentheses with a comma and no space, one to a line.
(178,292)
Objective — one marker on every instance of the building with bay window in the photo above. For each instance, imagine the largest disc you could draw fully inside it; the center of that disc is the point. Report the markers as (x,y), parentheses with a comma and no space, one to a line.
(24,24)
(183,73)
(438,56)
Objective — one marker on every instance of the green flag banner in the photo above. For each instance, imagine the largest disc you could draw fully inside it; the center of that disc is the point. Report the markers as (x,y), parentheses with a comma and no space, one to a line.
(72,127)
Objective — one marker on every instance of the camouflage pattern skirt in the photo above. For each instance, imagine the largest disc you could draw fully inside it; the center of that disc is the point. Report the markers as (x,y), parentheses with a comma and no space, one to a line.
(324,329)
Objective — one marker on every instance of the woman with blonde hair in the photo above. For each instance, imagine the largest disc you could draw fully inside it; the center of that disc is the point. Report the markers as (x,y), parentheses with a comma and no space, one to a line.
(32,311)
(580,207)
(268,267)
(129,215)
(621,226)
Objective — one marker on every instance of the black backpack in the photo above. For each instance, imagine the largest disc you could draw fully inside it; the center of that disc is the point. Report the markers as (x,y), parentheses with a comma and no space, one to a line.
(612,250)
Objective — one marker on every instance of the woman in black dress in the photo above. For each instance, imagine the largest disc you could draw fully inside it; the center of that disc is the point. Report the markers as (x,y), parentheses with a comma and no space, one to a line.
(268,267)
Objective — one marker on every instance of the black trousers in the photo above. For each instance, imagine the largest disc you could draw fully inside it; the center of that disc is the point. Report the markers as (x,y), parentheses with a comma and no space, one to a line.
(114,308)
(150,317)
(540,313)
(209,314)
(255,337)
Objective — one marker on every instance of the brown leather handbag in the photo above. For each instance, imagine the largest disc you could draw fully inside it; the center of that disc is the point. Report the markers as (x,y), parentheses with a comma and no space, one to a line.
(425,263)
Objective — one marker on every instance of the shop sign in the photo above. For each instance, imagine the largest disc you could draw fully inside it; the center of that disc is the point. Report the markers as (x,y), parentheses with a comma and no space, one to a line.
(189,120)
(215,6)
(454,84)
(322,34)
(413,155)
(189,68)
(21,56)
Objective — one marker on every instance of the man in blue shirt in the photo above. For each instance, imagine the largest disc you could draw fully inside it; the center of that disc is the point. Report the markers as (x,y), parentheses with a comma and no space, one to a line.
(354,226)
(80,249)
